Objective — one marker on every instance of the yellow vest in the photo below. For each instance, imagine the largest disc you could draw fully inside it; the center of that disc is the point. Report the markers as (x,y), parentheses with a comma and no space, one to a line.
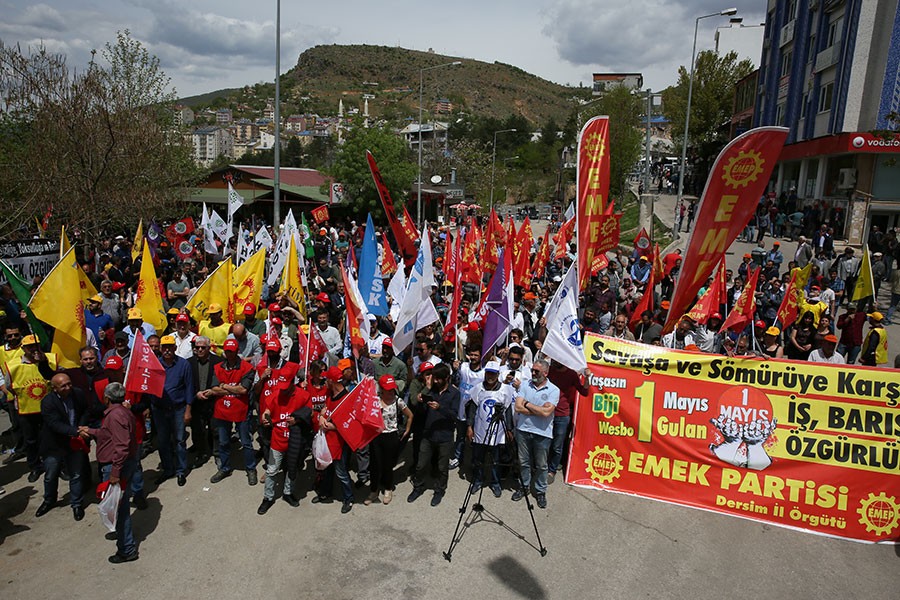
(28,385)
(881,351)
(216,335)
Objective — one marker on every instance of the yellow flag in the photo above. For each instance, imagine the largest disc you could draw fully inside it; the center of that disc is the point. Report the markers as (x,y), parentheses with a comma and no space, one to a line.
(802,277)
(59,302)
(64,243)
(149,298)
(865,282)
(136,247)
(248,280)
(292,279)
(217,289)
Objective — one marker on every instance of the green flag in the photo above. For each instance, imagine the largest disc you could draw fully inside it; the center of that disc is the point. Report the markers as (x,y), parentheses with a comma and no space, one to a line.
(306,237)
(22,292)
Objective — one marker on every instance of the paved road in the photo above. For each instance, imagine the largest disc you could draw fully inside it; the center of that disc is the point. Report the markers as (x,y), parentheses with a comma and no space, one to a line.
(207,541)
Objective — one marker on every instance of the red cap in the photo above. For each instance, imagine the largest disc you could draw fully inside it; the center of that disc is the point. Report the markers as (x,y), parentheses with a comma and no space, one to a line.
(249,309)
(182,318)
(263,339)
(274,308)
(473,326)
(273,344)
(323,297)
(334,373)
(276,321)
(388,342)
(716,315)
(117,285)
(387,382)
(114,363)
(831,338)
(529,296)
(425,366)
(761,324)
(230,344)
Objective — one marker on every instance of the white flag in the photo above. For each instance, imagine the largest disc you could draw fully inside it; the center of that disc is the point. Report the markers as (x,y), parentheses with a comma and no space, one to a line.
(263,239)
(244,249)
(428,263)
(563,342)
(282,246)
(570,211)
(209,240)
(235,201)
(417,309)
(217,225)
(397,291)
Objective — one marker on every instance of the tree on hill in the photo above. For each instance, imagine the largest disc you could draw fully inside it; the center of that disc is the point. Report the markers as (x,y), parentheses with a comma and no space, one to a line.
(97,144)
(352,170)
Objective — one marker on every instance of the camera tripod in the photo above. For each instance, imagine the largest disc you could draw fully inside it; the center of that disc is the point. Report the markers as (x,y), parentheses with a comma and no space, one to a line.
(478,511)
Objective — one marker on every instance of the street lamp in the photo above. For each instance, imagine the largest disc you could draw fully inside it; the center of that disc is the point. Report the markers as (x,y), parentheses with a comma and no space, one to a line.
(494,161)
(687,117)
(421,89)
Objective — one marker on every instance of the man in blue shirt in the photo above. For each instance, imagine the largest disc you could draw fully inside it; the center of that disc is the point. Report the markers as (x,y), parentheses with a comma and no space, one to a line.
(172,412)
(535,405)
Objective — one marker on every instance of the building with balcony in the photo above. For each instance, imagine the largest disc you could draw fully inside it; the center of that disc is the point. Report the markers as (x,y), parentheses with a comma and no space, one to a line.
(209,143)
(223,117)
(434,136)
(830,71)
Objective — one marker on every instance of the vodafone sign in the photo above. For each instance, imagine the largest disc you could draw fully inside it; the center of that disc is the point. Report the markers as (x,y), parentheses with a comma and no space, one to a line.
(844,143)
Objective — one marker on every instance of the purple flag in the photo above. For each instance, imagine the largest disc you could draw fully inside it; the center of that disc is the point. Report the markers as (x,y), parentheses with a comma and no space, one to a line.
(499,304)
(154,237)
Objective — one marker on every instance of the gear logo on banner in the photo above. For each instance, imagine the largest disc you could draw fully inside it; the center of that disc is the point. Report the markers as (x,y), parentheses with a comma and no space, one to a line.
(743,169)
(880,514)
(603,464)
(594,146)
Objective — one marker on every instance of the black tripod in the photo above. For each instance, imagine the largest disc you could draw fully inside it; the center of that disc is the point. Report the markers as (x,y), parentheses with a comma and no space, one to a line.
(479,512)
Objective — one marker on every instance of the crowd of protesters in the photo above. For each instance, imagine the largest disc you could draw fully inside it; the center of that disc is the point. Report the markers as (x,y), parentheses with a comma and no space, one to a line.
(240,385)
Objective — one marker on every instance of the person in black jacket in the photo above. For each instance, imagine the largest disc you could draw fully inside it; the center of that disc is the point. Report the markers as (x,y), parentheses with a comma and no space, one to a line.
(441,408)
(202,365)
(63,412)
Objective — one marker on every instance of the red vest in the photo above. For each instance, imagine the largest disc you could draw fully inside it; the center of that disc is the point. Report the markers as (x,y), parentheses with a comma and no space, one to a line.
(232,407)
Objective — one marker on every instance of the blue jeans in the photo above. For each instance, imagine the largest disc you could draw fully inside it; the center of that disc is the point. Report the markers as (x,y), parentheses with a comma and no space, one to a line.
(74,462)
(558,445)
(243,428)
(479,451)
(125,545)
(533,450)
(169,424)
(272,465)
(325,481)
(851,353)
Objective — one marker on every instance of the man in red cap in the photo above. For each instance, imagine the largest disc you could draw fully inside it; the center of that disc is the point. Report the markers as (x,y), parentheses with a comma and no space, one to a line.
(184,337)
(232,381)
(273,311)
(389,364)
(253,324)
(275,384)
(340,452)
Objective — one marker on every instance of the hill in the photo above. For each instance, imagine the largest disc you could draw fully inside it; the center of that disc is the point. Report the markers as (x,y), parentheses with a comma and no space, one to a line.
(389,78)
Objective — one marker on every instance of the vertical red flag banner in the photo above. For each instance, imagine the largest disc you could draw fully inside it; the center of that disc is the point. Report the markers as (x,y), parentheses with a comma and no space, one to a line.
(743,310)
(320,213)
(524,242)
(646,302)
(491,254)
(403,227)
(468,263)
(497,227)
(790,304)
(358,417)
(145,374)
(610,233)
(808,446)
(541,258)
(592,188)
(563,236)
(642,243)
(736,183)
(711,299)
(388,262)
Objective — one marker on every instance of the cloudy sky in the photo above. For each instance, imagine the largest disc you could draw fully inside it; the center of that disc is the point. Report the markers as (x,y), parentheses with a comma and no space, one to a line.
(205,45)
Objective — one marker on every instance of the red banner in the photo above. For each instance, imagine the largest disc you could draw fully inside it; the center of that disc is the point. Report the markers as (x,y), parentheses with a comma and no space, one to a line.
(736,183)
(745,307)
(803,445)
(145,374)
(358,417)
(320,213)
(404,229)
(592,189)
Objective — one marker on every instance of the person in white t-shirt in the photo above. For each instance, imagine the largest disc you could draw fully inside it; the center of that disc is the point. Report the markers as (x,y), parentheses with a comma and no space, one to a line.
(424,352)
(471,374)
(376,338)
(515,371)
(827,354)
(489,402)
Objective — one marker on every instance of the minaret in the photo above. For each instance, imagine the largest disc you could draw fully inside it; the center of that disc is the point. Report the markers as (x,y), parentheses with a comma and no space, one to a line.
(366,114)
(340,119)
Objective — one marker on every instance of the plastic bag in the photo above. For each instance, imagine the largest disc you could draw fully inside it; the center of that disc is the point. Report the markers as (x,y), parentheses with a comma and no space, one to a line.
(109,506)
(321,451)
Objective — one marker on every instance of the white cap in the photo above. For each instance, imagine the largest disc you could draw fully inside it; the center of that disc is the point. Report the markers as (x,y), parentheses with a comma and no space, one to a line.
(492,366)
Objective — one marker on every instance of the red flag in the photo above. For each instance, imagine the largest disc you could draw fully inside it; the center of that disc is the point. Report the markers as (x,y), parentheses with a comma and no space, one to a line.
(145,374)
(743,310)
(592,187)
(46,222)
(657,263)
(358,417)
(495,225)
(646,302)
(404,230)
(320,213)
(711,299)
(451,263)
(183,248)
(388,262)
(302,355)
(180,230)
(317,347)
(787,312)
(491,255)
(356,310)
(541,258)
(563,236)
(522,254)
(736,183)
(642,243)
(609,232)
(468,264)
(510,231)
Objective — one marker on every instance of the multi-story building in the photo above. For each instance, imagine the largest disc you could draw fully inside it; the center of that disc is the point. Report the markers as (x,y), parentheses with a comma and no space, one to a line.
(183,115)
(209,143)
(269,111)
(244,130)
(606,81)
(223,116)
(830,71)
(443,106)
(434,135)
